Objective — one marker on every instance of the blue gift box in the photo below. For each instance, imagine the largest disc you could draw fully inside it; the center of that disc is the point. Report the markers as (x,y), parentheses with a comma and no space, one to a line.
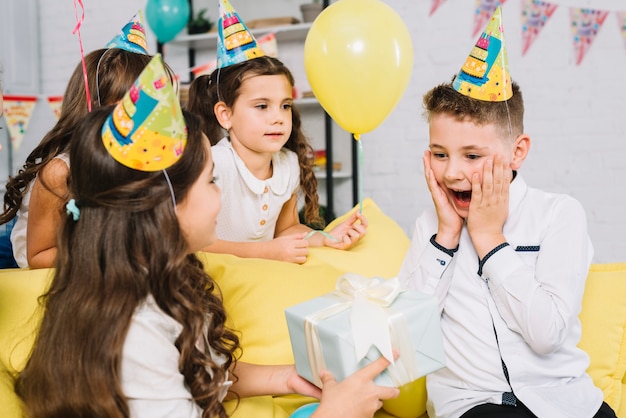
(343,331)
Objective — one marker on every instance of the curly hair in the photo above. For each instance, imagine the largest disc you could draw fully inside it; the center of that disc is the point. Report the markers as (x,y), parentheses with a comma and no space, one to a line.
(126,246)
(223,85)
(110,73)
(507,116)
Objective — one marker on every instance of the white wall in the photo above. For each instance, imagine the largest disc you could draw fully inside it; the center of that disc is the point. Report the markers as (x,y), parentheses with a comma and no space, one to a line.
(575,114)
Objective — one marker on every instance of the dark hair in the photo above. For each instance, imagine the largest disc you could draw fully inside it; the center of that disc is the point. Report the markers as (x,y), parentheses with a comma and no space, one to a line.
(115,70)
(223,85)
(126,245)
(444,99)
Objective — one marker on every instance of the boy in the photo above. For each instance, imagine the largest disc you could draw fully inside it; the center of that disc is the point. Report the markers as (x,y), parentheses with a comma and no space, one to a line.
(507,263)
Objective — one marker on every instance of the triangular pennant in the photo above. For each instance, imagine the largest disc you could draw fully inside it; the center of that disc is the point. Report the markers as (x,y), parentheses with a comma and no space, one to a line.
(146,131)
(585,24)
(435,5)
(17,113)
(621,19)
(55,103)
(535,15)
(235,43)
(132,37)
(485,73)
(484,10)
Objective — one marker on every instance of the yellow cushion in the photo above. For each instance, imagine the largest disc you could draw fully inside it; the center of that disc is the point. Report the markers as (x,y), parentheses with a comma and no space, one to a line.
(19,289)
(603,320)
(256,291)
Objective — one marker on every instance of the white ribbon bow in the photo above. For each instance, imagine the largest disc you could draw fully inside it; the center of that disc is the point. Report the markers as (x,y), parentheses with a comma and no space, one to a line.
(371,323)
(369,320)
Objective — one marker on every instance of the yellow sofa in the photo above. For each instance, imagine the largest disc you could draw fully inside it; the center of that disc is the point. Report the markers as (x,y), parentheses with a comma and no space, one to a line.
(256,292)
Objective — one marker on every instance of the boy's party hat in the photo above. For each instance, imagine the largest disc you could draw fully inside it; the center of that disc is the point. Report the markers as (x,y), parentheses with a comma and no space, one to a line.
(235,43)
(146,130)
(485,74)
(132,37)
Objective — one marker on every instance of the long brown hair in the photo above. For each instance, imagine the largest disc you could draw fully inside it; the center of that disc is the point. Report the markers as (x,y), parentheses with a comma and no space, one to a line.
(115,71)
(126,245)
(223,85)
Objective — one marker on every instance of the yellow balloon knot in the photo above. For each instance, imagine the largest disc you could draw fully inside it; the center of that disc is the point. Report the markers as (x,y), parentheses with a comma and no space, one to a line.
(356,136)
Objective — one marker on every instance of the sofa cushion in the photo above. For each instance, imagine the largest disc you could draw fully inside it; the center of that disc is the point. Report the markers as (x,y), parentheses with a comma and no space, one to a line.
(603,320)
(257,291)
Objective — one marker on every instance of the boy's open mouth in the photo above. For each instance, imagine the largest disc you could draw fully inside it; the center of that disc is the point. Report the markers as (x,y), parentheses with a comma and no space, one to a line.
(464,196)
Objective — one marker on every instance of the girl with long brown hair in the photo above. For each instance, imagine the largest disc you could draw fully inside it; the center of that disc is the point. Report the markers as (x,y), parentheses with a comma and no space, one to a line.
(264,163)
(133,326)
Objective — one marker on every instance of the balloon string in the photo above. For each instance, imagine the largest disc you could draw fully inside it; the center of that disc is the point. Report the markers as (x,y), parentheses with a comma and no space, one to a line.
(79,22)
(357,137)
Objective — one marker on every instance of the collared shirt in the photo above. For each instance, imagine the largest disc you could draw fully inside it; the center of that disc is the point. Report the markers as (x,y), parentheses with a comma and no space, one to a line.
(18,234)
(250,206)
(150,375)
(529,293)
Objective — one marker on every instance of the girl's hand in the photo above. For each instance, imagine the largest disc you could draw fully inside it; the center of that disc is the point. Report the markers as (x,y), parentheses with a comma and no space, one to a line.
(489,207)
(357,396)
(450,223)
(347,233)
(291,248)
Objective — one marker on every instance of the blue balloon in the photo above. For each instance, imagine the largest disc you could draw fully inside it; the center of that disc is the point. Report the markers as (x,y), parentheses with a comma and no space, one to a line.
(167,18)
(305,411)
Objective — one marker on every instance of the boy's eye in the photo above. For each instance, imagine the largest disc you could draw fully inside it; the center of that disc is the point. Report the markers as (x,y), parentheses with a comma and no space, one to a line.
(439,155)
(473,156)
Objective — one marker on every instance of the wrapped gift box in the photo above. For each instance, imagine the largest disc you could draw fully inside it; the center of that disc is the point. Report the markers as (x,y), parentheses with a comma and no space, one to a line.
(343,331)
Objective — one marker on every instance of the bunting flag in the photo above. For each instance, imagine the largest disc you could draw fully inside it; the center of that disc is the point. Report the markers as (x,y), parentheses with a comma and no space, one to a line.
(484,10)
(435,5)
(55,103)
(585,24)
(17,113)
(621,19)
(535,14)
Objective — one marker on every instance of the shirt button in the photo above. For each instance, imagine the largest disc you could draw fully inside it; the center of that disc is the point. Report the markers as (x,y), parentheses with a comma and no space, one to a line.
(265,207)
(266,189)
(262,222)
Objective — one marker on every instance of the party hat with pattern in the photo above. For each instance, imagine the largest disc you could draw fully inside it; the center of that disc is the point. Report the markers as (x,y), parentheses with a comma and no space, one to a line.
(146,130)
(485,73)
(235,43)
(132,37)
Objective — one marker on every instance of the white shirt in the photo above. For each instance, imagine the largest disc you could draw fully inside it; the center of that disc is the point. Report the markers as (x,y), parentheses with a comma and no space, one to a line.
(151,379)
(531,291)
(18,234)
(250,206)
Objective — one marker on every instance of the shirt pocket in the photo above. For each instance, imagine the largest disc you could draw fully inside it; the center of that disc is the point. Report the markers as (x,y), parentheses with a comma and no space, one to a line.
(528,253)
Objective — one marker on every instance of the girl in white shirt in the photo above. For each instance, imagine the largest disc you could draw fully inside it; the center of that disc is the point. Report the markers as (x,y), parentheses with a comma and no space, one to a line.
(132,325)
(263,163)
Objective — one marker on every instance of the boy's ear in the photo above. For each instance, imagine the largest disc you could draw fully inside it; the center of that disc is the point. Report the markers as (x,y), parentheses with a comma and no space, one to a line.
(222,114)
(520,151)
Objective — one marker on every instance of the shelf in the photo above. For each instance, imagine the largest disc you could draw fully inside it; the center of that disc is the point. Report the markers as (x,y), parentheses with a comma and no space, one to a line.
(303,102)
(284,33)
(336,175)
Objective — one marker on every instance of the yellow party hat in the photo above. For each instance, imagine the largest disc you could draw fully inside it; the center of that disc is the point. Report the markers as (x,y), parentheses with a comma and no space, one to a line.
(485,73)
(235,43)
(146,130)
(132,37)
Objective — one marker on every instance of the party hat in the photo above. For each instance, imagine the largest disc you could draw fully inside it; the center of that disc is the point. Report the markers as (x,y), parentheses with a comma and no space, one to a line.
(485,74)
(132,37)
(146,130)
(235,43)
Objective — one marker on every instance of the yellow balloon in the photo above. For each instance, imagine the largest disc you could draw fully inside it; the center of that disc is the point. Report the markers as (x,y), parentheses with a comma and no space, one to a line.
(358,59)
(412,400)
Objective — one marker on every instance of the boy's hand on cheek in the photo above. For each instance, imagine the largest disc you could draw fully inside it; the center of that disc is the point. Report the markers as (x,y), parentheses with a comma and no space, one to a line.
(489,207)
(450,223)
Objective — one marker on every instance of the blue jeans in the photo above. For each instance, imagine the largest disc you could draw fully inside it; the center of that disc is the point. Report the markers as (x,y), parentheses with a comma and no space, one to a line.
(6,249)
